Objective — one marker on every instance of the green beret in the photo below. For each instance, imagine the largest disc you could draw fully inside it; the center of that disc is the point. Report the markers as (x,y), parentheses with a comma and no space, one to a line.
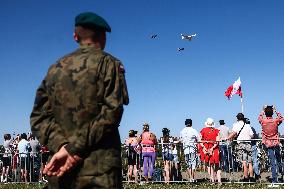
(89,18)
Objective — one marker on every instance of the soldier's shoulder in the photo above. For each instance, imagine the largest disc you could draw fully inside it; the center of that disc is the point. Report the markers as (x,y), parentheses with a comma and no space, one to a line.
(110,58)
(112,61)
(58,63)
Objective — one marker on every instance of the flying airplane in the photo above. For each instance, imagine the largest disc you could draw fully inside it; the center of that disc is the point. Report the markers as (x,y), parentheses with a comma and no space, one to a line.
(154,36)
(180,49)
(187,37)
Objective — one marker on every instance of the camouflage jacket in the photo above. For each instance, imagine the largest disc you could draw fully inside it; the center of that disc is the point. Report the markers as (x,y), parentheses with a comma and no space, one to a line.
(82,93)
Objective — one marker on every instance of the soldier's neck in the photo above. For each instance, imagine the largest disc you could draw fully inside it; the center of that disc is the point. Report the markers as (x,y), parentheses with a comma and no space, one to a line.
(91,43)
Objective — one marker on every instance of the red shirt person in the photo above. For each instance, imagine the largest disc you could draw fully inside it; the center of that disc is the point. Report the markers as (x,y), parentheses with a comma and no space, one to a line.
(270,139)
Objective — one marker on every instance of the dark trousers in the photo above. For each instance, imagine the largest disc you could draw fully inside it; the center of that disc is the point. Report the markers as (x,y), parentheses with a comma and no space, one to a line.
(276,163)
(224,157)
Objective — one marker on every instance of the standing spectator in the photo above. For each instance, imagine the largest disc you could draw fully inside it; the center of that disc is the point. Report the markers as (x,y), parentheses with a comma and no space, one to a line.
(7,157)
(166,142)
(133,154)
(148,142)
(44,151)
(189,137)
(270,139)
(35,158)
(15,162)
(255,161)
(224,150)
(210,138)
(176,164)
(24,149)
(244,134)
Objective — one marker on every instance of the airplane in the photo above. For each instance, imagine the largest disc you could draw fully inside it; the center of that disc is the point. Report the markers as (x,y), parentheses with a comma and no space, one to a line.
(180,49)
(187,37)
(154,36)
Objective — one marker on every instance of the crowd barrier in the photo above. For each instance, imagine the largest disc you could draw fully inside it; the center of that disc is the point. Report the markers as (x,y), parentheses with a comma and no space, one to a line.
(231,166)
(23,167)
(230,163)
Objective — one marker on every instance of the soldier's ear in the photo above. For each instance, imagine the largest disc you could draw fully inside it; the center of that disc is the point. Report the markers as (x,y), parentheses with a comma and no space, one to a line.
(76,38)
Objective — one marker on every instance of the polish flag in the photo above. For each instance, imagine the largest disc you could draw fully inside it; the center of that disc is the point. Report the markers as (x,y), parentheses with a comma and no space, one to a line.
(234,89)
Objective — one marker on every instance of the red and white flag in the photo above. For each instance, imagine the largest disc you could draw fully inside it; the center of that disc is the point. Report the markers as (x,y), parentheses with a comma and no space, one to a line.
(234,89)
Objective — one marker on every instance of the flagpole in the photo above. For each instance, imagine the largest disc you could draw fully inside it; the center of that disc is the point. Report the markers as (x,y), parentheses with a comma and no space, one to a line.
(242,105)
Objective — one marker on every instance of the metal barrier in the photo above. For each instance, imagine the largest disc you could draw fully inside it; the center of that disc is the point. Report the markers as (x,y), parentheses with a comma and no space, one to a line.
(23,167)
(233,156)
(171,159)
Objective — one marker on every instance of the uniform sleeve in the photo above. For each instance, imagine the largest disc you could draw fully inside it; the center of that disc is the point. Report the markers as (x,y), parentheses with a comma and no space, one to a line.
(43,124)
(115,95)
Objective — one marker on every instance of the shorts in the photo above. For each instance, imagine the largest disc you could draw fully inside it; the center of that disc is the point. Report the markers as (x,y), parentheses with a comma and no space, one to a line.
(167,156)
(6,161)
(190,160)
(44,157)
(175,158)
(133,158)
(244,152)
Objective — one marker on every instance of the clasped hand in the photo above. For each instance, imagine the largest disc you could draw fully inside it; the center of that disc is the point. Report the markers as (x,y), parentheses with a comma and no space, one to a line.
(60,163)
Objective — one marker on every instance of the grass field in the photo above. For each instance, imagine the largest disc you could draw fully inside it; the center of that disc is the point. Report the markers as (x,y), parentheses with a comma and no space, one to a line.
(153,186)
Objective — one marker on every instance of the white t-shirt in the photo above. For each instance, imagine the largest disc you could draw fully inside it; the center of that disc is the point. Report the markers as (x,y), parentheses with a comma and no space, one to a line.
(23,147)
(224,133)
(7,145)
(189,137)
(245,134)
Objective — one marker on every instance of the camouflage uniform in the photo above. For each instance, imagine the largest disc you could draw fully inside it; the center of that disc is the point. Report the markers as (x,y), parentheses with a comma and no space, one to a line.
(80,103)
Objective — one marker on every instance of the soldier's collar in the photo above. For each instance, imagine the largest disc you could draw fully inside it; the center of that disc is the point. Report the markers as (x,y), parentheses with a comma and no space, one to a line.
(87,47)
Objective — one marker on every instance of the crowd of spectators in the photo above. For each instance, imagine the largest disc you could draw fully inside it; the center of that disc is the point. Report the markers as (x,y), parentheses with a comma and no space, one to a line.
(215,149)
(22,158)
(212,149)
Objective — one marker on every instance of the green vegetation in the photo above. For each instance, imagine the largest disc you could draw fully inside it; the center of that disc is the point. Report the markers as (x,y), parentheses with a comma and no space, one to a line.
(152,186)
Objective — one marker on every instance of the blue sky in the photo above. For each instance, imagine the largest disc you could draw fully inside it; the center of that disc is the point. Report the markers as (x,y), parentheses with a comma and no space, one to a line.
(234,38)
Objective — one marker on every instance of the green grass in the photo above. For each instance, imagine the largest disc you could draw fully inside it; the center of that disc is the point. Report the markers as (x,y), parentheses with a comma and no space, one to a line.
(154,186)
(21,186)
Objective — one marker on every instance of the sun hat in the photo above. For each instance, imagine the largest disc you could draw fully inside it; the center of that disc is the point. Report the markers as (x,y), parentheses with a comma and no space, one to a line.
(209,122)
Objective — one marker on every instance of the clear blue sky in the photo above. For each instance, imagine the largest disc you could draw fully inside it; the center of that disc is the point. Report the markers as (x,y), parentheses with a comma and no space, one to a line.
(234,38)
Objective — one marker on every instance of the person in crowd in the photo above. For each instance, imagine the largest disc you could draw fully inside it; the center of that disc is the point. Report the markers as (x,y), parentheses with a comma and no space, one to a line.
(243,133)
(224,148)
(24,149)
(210,138)
(148,143)
(15,153)
(176,174)
(133,154)
(7,157)
(35,158)
(189,138)
(270,139)
(166,142)
(44,158)
(255,161)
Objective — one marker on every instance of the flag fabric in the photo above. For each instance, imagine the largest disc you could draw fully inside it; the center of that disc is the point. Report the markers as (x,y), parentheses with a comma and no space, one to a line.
(234,89)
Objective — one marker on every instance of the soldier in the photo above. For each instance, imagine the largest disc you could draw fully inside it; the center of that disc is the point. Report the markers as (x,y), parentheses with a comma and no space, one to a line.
(77,111)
